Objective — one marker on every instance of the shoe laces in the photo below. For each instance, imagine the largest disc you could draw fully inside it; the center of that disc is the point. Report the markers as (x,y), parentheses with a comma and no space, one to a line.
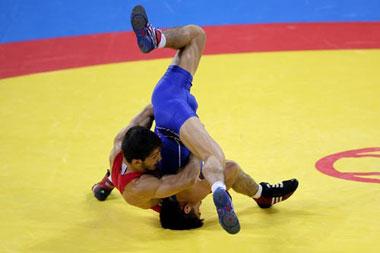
(279,185)
(152,33)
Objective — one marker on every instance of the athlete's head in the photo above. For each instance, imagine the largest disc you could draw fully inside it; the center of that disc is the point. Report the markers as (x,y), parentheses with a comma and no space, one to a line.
(175,217)
(141,148)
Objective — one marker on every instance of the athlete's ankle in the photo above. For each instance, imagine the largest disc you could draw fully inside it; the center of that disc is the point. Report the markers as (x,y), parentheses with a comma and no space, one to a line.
(259,192)
(217,185)
(161,39)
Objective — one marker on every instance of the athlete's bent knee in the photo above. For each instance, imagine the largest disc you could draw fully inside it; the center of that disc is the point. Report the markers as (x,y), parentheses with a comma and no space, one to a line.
(196,31)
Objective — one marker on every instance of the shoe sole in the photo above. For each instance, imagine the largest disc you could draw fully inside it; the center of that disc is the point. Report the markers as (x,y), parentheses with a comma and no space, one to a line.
(139,19)
(227,218)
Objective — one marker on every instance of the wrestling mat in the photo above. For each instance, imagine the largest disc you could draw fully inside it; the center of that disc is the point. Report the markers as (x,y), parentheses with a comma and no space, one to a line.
(312,115)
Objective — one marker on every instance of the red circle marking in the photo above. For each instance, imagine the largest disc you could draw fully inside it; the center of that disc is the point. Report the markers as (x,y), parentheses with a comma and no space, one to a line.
(326,165)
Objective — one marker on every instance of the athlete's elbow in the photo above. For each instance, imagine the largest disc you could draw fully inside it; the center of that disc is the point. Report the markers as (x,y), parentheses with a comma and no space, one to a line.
(190,181)
(193,180)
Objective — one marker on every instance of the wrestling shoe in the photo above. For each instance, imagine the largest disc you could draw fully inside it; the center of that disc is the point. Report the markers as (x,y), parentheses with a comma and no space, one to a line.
(273,194)
(147,36)
(104,188)
(227,216)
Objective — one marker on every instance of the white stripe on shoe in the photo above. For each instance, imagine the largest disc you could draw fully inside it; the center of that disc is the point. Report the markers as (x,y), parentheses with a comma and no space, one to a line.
(276,200)
(279,185)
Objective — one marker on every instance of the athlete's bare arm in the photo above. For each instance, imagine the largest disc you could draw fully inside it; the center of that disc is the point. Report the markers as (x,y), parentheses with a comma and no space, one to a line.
(145,192)
(144,118)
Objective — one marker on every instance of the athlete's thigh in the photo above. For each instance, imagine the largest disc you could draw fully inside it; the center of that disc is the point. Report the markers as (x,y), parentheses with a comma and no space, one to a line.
(195,137)
(171,99)
(188,58)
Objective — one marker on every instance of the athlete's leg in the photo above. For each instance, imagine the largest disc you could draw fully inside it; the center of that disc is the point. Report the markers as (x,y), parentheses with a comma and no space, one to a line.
(195,137)
(188,40)
(199,142)
(244,184)
(264,194)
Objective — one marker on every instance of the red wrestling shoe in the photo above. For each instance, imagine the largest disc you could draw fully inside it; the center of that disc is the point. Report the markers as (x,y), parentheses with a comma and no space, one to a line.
(273,194)
(104,188)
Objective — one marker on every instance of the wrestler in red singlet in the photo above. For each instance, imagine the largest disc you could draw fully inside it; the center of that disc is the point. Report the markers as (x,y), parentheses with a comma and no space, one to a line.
(120,177)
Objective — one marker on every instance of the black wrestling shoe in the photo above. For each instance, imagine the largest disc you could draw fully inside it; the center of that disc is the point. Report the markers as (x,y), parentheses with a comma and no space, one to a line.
(103,188)
(226,213)
(148,37)
(273,194)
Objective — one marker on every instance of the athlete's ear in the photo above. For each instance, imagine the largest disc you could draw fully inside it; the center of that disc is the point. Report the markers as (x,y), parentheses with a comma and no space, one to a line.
(136,163)
(187,209)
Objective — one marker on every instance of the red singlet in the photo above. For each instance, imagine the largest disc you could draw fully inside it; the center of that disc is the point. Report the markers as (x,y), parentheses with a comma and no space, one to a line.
(120,178)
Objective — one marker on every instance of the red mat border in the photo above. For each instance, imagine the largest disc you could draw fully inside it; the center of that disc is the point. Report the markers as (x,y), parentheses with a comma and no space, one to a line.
(21,58)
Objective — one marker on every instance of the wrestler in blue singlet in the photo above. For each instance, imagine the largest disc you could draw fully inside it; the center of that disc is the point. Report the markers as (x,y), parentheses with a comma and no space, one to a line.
(173,105)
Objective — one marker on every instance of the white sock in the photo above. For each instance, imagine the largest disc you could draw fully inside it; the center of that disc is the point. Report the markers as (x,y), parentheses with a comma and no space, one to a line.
(162,43)
(258,193)
(218,184)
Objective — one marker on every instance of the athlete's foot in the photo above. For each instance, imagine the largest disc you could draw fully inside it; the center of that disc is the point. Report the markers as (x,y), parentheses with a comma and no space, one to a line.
(147,36)
(103,188)
(226,213)
(273,194)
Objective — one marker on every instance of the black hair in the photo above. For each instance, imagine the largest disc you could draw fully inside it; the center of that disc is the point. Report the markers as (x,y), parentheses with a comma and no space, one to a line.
(173,217)
(138,143)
